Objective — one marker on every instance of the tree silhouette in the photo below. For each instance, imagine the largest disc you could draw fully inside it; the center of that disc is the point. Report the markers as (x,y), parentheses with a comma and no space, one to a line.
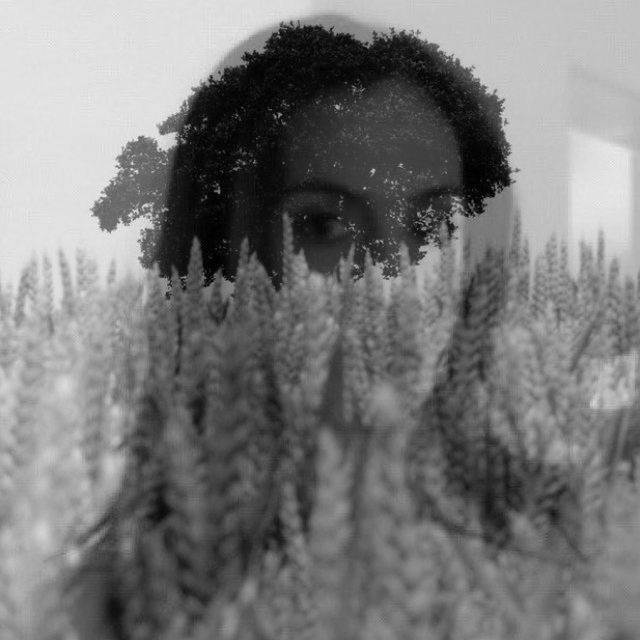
(228,163)
(138,189)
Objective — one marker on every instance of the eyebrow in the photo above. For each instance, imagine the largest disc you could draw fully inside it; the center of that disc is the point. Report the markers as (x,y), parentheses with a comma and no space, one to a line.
(333,189)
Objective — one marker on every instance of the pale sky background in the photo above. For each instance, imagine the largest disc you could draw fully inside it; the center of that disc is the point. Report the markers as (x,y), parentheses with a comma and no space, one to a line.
(81,79)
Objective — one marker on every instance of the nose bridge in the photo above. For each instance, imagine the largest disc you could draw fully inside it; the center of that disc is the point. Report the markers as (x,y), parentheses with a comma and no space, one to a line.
(385,209)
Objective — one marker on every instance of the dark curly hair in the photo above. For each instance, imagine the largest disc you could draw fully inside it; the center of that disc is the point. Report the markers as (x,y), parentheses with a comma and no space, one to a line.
(231,129)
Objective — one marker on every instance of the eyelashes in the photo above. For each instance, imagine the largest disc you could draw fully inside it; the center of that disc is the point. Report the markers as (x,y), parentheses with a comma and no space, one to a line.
(328,227)
(321,222)
(322,226)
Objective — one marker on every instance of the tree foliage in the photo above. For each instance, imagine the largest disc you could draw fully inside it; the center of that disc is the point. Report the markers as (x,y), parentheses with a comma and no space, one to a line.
(138,189)
(228,161)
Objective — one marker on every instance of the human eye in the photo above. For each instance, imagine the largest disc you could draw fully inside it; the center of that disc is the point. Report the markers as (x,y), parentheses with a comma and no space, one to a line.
(321,226)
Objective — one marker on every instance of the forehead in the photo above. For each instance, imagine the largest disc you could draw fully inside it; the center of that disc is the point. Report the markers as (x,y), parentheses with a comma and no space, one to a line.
(394,125)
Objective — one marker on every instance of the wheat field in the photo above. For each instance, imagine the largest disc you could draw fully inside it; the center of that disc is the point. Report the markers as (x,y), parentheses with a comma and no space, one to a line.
(445,457)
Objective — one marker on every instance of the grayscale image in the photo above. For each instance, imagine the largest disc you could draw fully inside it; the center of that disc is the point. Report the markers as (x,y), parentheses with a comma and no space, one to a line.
(320,320)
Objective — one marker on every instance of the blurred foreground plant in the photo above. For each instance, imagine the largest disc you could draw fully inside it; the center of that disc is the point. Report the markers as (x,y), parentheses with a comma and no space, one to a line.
(338,459)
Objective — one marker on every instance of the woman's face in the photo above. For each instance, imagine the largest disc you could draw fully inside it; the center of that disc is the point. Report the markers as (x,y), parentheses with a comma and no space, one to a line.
(354,169)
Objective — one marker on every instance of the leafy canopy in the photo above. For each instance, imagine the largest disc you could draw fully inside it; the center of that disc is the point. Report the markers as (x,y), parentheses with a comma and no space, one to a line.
(228,163)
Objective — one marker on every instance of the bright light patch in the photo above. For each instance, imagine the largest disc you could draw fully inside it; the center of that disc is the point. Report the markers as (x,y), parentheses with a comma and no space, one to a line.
(600,195)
